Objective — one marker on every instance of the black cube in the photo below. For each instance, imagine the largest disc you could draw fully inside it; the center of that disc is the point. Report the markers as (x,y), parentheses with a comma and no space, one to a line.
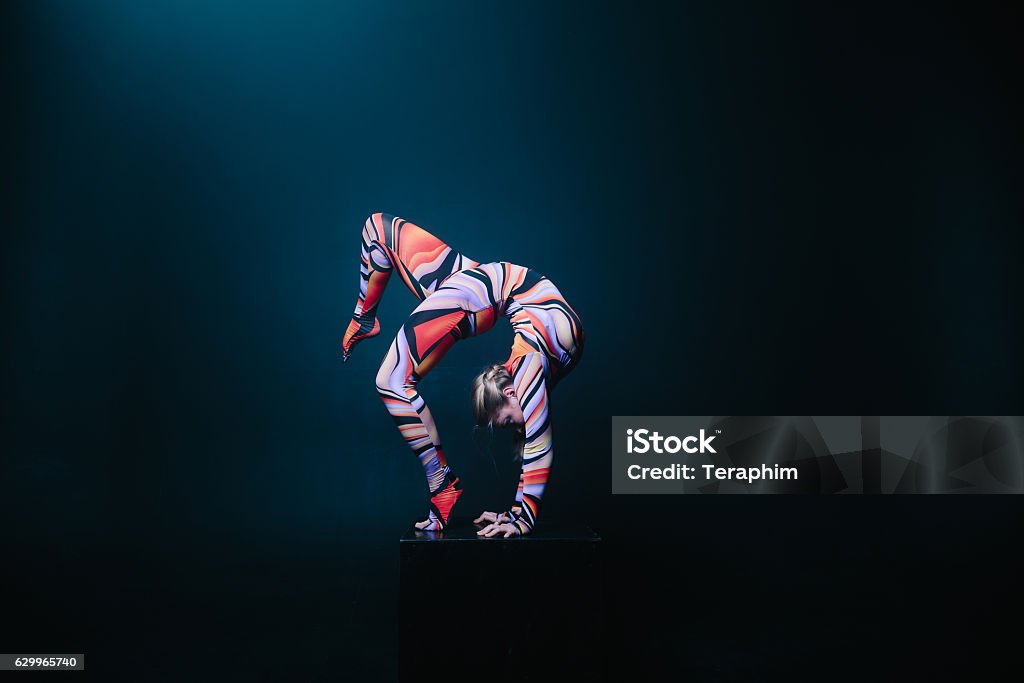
(496,609)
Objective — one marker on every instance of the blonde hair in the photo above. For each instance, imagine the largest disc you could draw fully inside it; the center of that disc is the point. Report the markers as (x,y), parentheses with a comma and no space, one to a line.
(487,396)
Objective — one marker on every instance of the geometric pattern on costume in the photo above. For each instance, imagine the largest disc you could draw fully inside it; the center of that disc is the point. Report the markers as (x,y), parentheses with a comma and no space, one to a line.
(458,304)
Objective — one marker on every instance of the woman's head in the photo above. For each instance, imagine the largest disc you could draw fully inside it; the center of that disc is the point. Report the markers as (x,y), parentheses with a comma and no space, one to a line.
(494,399)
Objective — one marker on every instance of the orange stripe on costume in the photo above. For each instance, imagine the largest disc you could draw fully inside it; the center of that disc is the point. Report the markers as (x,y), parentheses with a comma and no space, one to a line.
(428,332)
(537,476)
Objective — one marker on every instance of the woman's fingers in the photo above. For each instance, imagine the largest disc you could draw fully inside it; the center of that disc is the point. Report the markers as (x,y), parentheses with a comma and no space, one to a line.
(491,519)
(486,517)
(494,528)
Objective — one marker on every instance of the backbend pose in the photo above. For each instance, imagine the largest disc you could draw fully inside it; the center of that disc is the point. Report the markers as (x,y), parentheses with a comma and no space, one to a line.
(461,298)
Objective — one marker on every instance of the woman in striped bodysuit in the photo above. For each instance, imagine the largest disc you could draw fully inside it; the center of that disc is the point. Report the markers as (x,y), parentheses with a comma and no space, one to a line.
(461,298)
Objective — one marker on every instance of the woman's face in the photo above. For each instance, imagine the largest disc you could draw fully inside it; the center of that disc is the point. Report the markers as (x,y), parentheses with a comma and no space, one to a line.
(510,414)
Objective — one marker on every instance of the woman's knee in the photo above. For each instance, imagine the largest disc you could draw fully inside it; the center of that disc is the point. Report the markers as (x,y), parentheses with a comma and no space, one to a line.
(385,384)
(390,382)
(377,223)
(370,228)
(377,240)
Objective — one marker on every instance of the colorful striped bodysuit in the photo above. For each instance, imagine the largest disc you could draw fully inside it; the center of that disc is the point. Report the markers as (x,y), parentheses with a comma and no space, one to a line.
(461,298)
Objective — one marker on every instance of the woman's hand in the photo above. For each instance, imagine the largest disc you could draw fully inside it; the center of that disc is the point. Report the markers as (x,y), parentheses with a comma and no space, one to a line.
(495,528)
(492,518)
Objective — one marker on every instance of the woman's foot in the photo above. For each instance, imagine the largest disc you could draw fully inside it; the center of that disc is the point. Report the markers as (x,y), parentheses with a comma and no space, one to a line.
(441,504)
(359,328)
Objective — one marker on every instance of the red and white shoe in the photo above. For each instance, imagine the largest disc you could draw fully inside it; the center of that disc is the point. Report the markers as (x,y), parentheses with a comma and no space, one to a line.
(441,504)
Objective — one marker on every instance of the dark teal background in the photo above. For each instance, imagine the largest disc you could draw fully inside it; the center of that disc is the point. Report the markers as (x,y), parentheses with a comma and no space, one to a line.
(755,208)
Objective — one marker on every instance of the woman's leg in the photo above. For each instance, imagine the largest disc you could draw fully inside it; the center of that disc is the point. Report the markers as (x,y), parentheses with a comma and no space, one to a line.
(422,260)
(434,326)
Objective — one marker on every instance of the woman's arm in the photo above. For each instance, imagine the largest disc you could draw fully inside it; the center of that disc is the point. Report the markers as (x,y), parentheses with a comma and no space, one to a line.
(530,382)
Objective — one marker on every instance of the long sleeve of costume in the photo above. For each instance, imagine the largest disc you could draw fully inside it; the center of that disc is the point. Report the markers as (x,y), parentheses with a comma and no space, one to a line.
(530,383)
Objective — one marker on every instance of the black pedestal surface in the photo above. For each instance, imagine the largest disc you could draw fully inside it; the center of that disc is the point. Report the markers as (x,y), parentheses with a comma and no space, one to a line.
(527,608)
